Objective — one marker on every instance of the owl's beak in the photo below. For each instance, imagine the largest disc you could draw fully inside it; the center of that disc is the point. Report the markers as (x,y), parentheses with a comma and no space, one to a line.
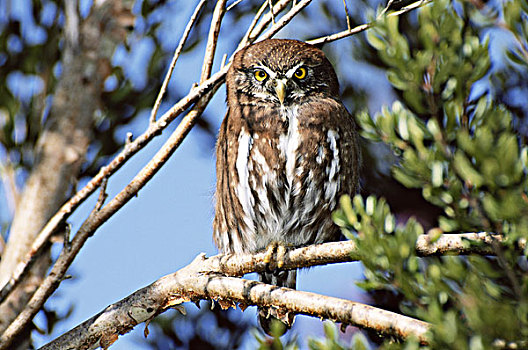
(280,89)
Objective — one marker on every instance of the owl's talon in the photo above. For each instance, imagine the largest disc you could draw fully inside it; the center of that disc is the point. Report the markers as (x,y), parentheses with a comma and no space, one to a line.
(270,251)
(281,255)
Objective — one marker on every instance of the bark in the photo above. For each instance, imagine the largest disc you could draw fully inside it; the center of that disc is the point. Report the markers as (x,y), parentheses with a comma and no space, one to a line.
(200,280)
(62,146)
(212,279)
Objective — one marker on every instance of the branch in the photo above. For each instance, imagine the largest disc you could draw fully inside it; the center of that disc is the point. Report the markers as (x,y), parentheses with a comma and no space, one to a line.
(175,57)
(480,243)
(358,29)
(202,280)
(205,278)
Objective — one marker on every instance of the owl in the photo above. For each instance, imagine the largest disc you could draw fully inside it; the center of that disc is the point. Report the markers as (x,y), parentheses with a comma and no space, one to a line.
(286,151)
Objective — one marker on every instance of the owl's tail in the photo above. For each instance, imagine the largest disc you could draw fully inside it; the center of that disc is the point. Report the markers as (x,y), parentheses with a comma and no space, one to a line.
(268,314)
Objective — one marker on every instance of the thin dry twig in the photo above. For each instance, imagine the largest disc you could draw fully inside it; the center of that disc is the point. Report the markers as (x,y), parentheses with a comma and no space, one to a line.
(230,7)
(257,17)
(363,27)
(256,28)
(212,39)
(389,4)
(271,11)
(349,26)
(102,195)
(285,19)
(175,57)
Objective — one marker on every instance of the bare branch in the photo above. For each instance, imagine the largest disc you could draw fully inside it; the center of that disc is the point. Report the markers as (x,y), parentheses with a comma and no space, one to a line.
(363,27)
(230,7)
(212,39)
(205,278)
(175,57)
(255,30)
(460,244)
(349,27)
(102,195)
(201,280)
(257,17)
(286,19)
(271,11)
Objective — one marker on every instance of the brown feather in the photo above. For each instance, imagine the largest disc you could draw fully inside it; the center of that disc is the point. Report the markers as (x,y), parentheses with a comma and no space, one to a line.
(281,168)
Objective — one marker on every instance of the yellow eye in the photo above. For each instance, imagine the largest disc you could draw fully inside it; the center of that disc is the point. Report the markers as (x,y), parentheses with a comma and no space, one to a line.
(260,75)
(300,73)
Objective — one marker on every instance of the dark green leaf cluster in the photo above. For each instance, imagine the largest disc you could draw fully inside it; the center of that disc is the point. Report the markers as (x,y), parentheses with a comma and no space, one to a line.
(463,150)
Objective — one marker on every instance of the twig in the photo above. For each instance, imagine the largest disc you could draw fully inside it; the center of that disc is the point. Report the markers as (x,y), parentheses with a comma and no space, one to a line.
(286,18)
(271,11)
(102,195)
(349,27)
(258,15)
(389,4)
(230,7)
(212,39)
(175,57)
(205,279)
(255,30)
(459,244)
(363,27)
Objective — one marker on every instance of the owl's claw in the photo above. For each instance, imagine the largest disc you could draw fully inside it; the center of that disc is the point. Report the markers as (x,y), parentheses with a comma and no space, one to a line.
(275,252)
(270,251)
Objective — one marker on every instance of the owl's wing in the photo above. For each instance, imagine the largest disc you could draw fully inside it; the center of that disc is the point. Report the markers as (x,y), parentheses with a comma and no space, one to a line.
(228,229)
(222,195)
(351,151)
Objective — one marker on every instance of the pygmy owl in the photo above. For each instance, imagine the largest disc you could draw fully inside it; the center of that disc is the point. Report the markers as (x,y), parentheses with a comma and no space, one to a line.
(286,151)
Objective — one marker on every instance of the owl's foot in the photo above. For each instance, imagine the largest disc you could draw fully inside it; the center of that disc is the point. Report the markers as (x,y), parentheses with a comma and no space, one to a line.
(275,251)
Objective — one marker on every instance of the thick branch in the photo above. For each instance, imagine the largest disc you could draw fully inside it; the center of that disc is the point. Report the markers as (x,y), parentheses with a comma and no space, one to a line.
(199,280)
(205,279)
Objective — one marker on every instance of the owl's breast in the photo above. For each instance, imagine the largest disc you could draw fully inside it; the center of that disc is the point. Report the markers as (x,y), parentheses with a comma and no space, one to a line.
(288,180)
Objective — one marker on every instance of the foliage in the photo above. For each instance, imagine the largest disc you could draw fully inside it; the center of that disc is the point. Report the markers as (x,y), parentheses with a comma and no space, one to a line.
(332,342)
(458,144)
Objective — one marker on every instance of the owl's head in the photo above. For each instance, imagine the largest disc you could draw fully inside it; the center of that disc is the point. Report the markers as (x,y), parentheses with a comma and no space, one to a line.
(280,72)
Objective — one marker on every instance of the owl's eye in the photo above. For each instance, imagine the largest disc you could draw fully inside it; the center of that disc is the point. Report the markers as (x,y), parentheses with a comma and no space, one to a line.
(260,75)
(300,73)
